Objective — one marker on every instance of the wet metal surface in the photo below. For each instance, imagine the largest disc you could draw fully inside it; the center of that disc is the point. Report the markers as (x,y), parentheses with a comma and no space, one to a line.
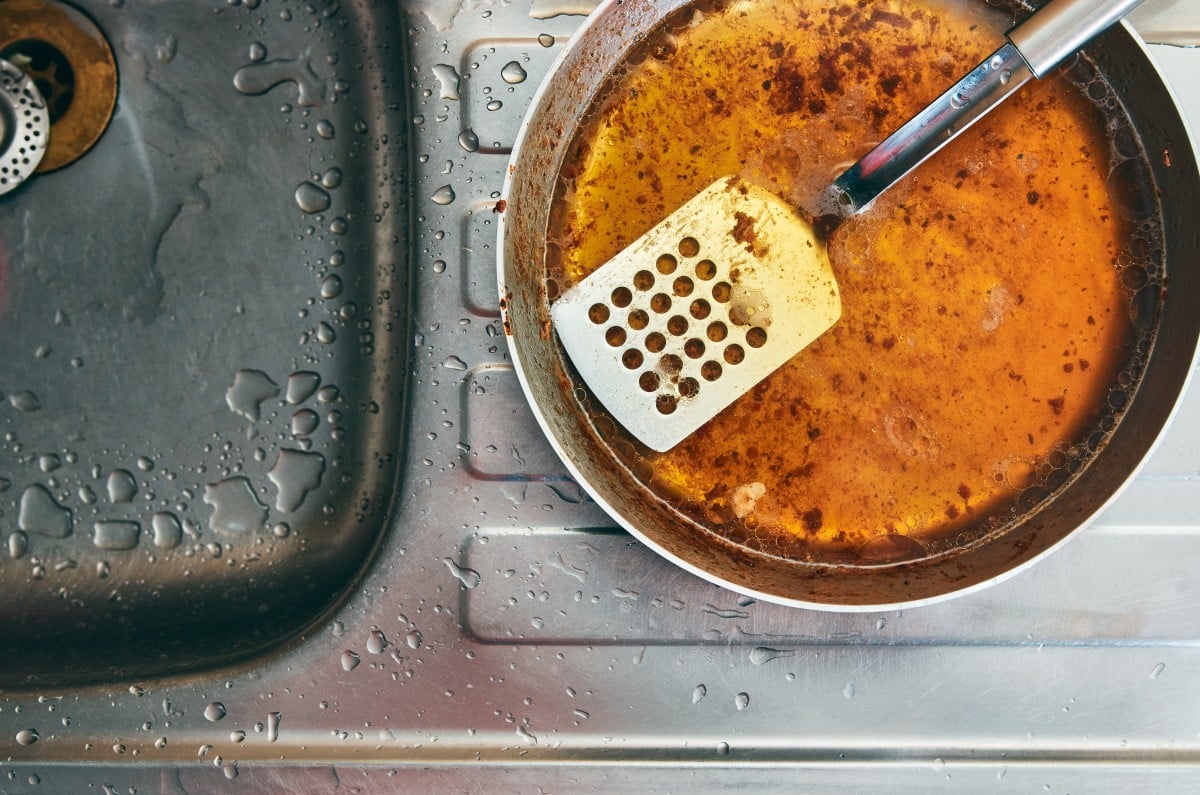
(504,627)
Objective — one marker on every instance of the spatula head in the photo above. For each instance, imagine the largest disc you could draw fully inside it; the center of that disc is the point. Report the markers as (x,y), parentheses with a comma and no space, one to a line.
(698,310)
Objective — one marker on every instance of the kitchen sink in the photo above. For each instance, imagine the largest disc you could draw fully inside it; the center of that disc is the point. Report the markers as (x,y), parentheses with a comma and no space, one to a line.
(202,328)
(276,517)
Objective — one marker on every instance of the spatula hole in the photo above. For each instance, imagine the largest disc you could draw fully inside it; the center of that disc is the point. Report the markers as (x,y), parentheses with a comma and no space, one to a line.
(700,309)
(689,388)
(706,269)
(648,381)
(622,297)
(677,325)
(615,336)
(710,370)
(632,359)
(694,348)
(660,303)
(717,331)
(638,319)
(666,264)
(666,404)
(756,337)
(722,291)
(643,280)
(689,247)
(683,286)
(734,354)
(655,342)
(598,313)
(671,365)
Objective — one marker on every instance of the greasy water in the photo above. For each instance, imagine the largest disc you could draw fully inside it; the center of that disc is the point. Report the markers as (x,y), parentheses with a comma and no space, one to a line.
(991,327)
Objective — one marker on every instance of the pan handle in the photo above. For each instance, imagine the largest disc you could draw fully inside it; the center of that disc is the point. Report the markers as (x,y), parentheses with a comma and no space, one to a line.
(1035,46)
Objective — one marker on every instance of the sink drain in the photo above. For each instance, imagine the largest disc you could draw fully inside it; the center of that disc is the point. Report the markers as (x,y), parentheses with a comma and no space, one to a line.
(24,127)
(70,61)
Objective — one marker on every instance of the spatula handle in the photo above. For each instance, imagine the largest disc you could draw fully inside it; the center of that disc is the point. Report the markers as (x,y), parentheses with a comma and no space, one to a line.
(1062,27)
(1035,46)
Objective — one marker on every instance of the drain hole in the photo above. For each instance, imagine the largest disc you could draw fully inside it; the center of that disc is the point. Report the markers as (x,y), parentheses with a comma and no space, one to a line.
(49,70)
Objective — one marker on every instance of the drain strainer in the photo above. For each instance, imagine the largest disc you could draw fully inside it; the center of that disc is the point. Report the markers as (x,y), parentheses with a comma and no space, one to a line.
(71,62)
(25,124)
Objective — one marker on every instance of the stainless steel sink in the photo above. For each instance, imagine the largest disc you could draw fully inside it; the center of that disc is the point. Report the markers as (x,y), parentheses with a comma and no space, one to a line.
(446,610)
(202,343)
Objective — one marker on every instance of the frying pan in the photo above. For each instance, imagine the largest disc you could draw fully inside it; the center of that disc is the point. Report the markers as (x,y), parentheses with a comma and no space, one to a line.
(1047,515)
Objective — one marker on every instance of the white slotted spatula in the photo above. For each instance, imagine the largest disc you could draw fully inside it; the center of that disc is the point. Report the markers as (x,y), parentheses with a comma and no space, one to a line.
(736,282)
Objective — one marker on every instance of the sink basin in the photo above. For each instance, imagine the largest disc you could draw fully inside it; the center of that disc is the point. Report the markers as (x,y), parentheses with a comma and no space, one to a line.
(201,367)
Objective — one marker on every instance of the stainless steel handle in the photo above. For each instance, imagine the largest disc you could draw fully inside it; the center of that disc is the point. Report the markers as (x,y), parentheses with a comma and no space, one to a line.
(1035,46)
(1061,27)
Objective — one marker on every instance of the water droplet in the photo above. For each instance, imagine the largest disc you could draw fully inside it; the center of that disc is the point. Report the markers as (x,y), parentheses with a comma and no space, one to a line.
(168,531)
(49,462)
(273,720)
(214,712)
(301,385)
(376,642)
(258,52)
(27,736)
(448,79)
(325,129)
(454,363)
(513,73)
(39,513)
(331,287)
(332,178)
(443,195)
(145,463)
(764,654)
(468,577)
(526,735)
(18,544)
(295,474)
(413,639)
(495,104)
(350,660)
(1158,669)
(26,402)
(741,701)
(304,422)
(248,391)
(261,76)
(235,507)
(1006,77)
(312,198)
(722,749)
(545,39)
(849,690)
(698,693)
(325,333)
(121,487)
(165,52)
(116,535)
(237,736)
(468,140)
